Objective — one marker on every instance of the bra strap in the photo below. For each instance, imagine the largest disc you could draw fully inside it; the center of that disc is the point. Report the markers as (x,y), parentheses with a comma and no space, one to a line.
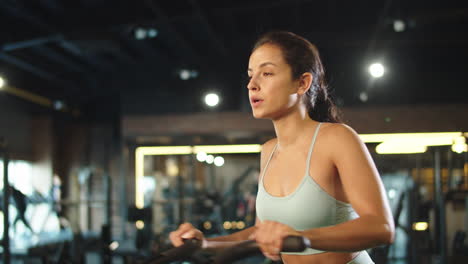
(268,162)
(309,156)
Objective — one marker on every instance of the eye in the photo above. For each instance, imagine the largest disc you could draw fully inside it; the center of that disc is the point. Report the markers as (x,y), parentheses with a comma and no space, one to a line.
(267,73)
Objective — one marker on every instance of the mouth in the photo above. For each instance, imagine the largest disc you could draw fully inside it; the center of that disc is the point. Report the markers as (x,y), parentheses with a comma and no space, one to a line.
(255,101)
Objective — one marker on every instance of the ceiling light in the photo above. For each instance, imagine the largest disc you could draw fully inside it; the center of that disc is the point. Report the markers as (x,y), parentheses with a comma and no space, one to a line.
(459,145)
(399,25)
(247,148)
(209,159)
(201,156)
(184,74)
(140,33)
(152,33)
(219,161)
(59,105)
(2,82)
(390,147)
(211,99)
(363,97)
(420,226)
(376,70)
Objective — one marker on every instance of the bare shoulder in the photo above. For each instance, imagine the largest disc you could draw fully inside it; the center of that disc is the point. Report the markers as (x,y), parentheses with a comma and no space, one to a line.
(338,140)
(338,133)
(269,144)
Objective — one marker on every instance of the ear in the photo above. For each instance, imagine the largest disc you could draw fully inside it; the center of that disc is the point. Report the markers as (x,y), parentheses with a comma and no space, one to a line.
(305,81)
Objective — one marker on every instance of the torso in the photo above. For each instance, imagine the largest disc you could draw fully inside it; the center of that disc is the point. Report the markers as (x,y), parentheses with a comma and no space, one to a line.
(291,161)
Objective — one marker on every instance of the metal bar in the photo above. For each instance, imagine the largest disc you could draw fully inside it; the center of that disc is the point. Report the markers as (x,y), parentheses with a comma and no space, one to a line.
(37,99)
(32,19)
(187,50)
(27,67)
(180,187)
(56,57)
(34,70)
(28,43)
(441,238)
(6,199)
(108,224)
(107,227)
(218,43)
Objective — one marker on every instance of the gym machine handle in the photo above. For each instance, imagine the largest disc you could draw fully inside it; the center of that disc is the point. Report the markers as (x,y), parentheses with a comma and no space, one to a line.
(250,248)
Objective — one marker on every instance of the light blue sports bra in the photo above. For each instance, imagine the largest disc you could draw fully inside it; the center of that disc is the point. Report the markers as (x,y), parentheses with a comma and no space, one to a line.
(309,206)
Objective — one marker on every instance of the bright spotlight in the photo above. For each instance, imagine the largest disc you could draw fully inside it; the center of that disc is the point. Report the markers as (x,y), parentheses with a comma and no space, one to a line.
(459,145)
(140,33)
(59,105)
(201,156)
(207,225)
(459,148)
(209,159)
(2,82)
(212,99)
(376,70)
(140,224)
(399,25)
(152,33)
(363,97)
(219,161)
(420,226)
(184,74)
(114,245)
(227,225)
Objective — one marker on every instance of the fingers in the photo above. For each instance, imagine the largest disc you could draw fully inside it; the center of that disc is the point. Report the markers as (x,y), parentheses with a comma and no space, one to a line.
(185,231)
(269,236)
(275,257)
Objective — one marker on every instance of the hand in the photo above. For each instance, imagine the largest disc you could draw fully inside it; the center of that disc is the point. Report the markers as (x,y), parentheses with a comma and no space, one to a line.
(269,235)
(185,231)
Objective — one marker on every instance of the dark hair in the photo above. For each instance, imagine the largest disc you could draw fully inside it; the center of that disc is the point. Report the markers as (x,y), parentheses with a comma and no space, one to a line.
(302,56)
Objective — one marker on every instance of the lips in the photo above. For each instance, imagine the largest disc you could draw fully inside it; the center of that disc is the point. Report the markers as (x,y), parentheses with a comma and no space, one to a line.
(255,101)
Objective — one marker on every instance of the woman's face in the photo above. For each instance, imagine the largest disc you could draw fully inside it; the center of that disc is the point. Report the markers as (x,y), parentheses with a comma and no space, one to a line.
(272,90)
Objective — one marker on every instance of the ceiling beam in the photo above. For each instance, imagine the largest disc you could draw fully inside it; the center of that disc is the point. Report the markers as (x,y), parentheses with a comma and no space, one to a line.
(58,58)
(33,20)
(219,45)
(28,43)
(35,70)
(187,50)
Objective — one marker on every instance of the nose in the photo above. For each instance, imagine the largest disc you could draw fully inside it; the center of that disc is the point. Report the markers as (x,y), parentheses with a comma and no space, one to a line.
(253,85)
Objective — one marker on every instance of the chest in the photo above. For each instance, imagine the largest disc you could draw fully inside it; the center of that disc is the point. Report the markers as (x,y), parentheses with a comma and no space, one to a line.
(287,169)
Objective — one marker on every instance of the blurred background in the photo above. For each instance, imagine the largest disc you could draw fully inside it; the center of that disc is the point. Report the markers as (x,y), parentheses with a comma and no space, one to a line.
(121,119)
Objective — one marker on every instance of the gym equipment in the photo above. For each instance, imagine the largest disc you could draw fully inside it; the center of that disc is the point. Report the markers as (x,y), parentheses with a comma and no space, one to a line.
(228,255)
(6,197)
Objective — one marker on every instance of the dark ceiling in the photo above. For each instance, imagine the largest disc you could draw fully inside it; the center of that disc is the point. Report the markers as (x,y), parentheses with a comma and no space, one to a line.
(87,53)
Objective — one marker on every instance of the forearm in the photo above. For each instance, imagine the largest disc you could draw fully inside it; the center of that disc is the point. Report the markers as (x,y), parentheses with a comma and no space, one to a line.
(358,234)
(228,240)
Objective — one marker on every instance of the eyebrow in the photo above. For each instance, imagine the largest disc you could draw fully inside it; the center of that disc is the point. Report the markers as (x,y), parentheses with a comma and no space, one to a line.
(263,65)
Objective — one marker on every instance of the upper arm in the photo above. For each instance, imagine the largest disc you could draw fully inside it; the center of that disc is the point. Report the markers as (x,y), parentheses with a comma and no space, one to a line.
(358,174)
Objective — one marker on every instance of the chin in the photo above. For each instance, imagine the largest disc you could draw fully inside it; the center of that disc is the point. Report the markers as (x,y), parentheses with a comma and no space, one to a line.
(259,115)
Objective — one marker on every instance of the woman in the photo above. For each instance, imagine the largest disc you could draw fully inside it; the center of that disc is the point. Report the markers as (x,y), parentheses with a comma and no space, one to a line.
(317,178)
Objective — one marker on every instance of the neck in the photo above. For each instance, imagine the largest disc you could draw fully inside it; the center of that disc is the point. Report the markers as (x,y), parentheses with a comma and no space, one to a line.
(293,127)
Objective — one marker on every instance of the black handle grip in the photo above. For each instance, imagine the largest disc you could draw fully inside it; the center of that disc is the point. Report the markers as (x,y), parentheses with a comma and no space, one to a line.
(295,244)
(250,248)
